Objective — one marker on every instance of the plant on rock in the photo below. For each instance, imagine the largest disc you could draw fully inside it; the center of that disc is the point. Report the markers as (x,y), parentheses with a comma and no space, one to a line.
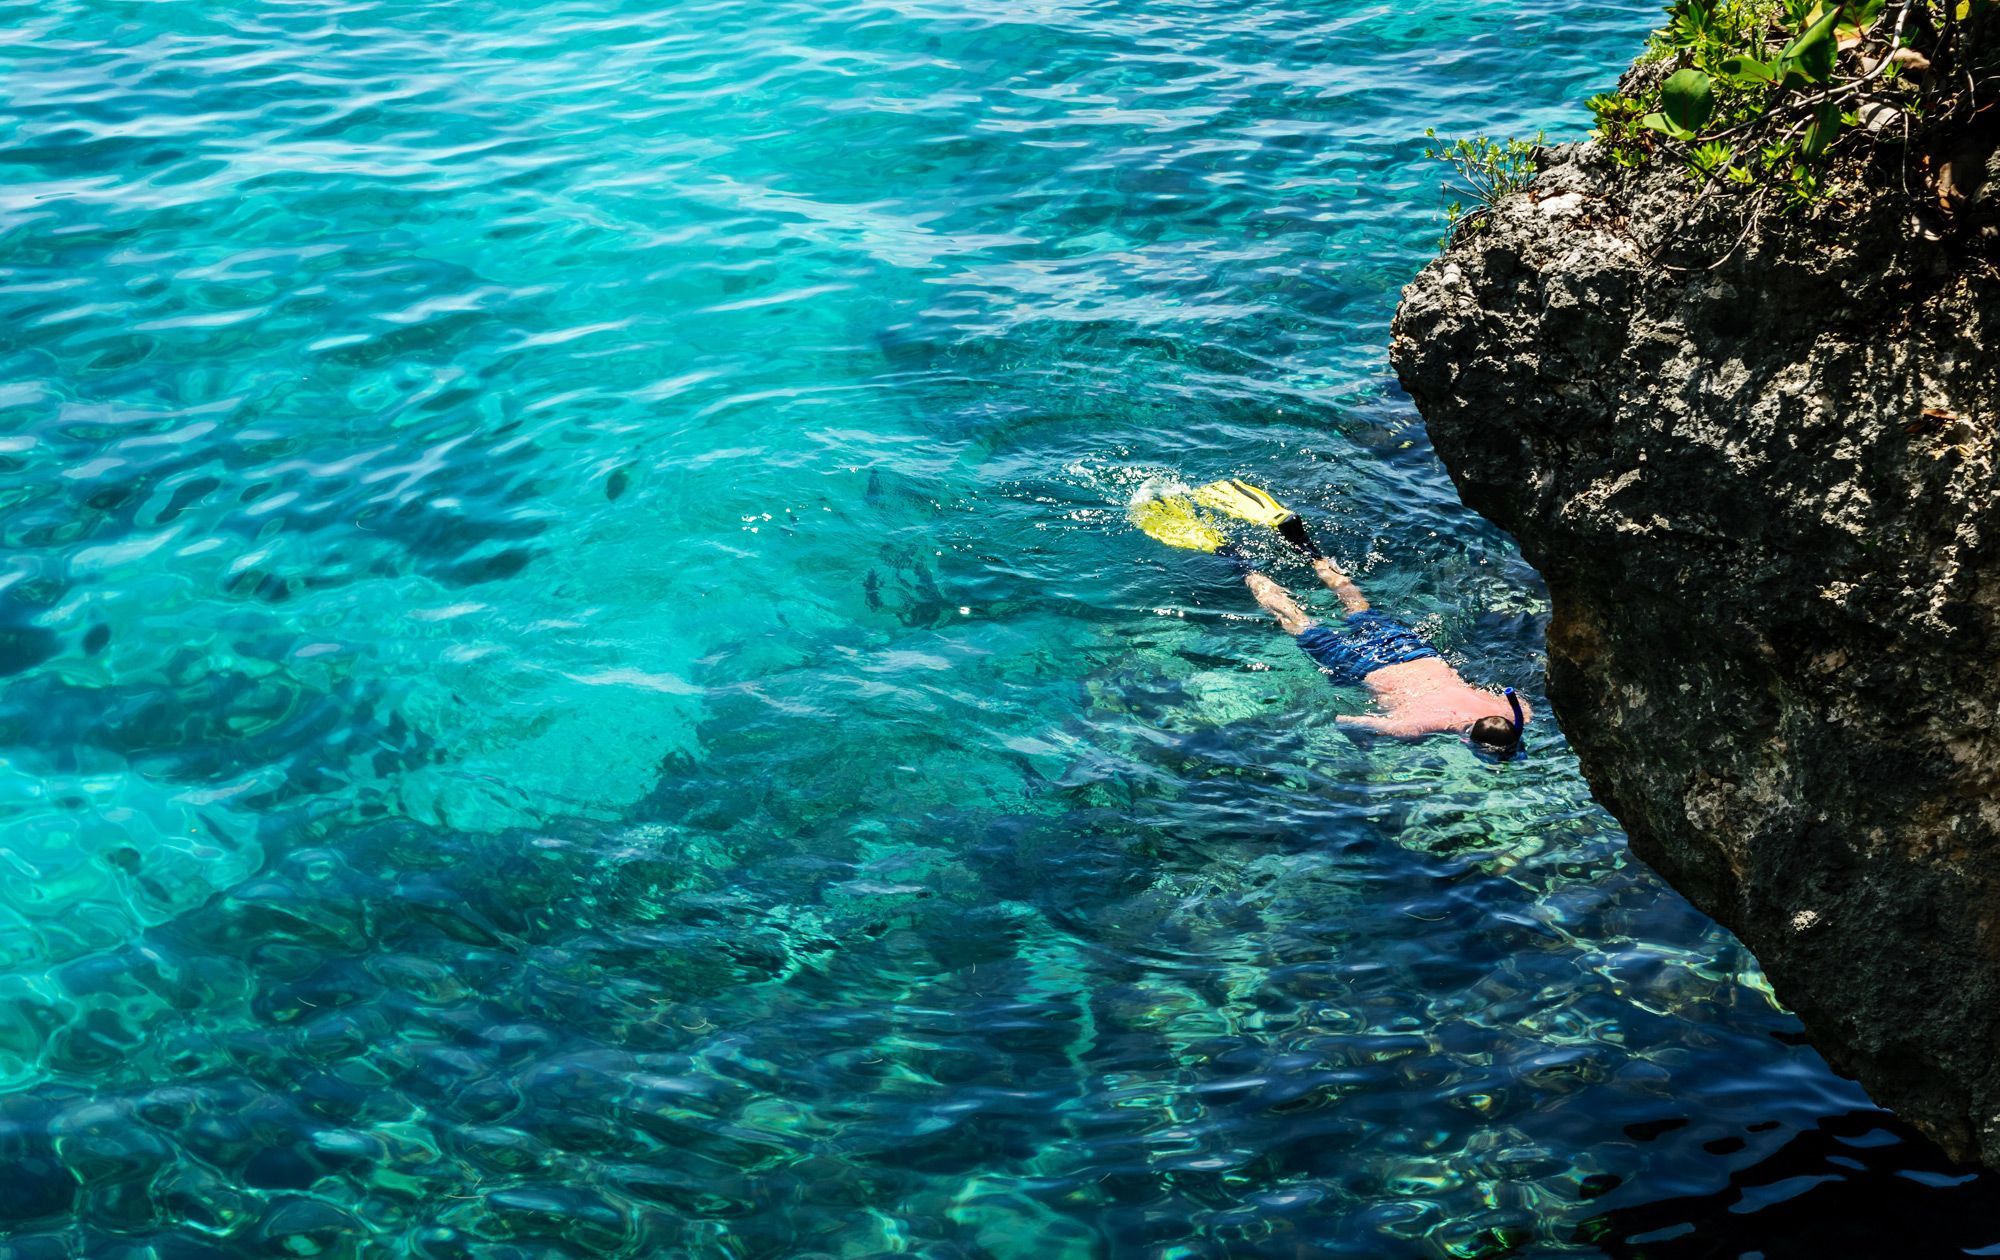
(1790,80)
(1487,171)
(1785,101)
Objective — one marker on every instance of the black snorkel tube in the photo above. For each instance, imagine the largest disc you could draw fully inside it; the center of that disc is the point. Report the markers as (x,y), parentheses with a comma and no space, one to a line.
(1519,720)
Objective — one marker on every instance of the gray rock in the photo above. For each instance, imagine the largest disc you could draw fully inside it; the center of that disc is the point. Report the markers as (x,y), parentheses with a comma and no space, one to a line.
(1762,493)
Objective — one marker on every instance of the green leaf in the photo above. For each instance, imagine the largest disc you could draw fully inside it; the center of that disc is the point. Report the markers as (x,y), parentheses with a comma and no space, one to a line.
(1661,123)
(1809,58)
(1712,157)
(1746,71)
(1697,16)
(1855,19)
(1688,100)
(1821,131)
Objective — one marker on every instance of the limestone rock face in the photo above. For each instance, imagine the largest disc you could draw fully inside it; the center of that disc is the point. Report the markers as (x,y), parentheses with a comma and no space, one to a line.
(1759,478)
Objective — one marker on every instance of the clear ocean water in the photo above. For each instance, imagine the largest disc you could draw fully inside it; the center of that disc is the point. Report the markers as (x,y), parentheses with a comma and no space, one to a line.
(575,681)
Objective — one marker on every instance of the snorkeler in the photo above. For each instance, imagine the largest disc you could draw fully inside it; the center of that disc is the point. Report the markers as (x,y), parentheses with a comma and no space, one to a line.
(1418,692)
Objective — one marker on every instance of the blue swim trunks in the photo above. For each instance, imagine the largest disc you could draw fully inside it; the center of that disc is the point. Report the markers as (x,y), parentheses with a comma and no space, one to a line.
(1374,641)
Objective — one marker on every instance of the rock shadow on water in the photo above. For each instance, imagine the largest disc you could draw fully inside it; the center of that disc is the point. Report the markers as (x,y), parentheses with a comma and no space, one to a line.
(1859,1183)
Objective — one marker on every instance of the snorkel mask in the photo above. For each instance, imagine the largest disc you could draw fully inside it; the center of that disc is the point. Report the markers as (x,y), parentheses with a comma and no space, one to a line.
(1520,722)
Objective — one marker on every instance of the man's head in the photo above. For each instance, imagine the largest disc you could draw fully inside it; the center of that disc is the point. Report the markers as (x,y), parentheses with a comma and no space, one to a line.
(1495,735)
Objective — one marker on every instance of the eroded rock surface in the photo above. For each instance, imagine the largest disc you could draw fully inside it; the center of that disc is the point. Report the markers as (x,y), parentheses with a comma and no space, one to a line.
(1762,493)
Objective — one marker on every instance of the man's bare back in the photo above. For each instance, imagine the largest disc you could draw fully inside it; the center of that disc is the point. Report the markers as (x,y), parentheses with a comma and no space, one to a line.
(1419,698)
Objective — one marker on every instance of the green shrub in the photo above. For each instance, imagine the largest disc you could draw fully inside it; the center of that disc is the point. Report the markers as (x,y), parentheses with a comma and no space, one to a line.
(1786,79)
(1487,170)
(1766,98)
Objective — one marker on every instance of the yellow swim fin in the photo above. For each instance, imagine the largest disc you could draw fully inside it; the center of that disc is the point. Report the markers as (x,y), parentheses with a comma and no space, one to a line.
(1245,502)
(1173,521)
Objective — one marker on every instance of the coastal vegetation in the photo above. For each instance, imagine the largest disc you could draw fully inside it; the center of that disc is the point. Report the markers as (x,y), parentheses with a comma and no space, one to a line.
(1770,94)
(1792,103)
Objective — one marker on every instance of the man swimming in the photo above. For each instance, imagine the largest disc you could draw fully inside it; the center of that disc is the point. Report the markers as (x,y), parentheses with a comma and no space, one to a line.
(1417,691)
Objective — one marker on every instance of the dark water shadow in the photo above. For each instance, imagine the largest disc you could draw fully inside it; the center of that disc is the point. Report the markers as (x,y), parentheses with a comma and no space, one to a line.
(1861,1183)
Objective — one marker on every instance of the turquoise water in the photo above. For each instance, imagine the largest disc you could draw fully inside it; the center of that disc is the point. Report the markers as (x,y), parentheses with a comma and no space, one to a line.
(576,682)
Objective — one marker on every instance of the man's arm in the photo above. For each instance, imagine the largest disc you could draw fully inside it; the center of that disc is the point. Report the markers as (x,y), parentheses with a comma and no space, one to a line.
(1388,728)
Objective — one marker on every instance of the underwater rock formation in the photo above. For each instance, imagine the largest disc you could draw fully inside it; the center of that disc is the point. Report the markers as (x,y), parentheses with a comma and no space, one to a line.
(1758,475)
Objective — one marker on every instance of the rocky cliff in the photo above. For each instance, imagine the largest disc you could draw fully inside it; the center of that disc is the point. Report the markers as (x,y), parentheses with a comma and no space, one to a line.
(1759,478)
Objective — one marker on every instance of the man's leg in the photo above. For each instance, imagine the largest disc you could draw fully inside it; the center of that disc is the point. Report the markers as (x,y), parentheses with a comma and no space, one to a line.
(1278,601)
(1351,598)
(1293,531)
(1328,649)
